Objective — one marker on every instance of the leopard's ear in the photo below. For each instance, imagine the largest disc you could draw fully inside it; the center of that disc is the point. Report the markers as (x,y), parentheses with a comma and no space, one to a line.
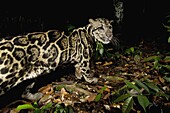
(94,23)
(91,21)
(111,21)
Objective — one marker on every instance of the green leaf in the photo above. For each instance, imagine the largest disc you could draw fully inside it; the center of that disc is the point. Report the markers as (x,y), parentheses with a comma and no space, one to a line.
(122,97)
(99,45)
(25,106)
(37,110)
(156,65)
(59,87)
(130,85)
(70,109)
(167,78)
(167,16)
(165,95)
(101,51)
(142,85)
(166,66)
(35,105)
(137,58)
(143,101)
(130,50)
(62,110)
(98,97)
(47,106)
(169,40)
(153,86)
(102,89)
(99,48)
(128,105)
(151,58)
(166,26)
(167,58)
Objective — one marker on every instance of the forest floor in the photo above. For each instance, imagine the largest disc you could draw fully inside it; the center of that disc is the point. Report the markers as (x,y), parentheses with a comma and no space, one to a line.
(135,80)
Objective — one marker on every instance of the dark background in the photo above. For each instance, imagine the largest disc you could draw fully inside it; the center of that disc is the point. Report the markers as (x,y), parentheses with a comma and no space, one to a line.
(142,18)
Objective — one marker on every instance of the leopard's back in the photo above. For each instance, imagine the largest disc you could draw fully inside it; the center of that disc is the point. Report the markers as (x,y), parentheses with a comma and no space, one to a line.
(27,56)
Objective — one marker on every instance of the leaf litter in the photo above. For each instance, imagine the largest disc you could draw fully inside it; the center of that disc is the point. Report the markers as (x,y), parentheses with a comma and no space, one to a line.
(69,95)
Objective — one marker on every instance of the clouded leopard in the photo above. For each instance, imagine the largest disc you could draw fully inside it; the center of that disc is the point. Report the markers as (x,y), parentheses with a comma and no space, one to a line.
(28,56)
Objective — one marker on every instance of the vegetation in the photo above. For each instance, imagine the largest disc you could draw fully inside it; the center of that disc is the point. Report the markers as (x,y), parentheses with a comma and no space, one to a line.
(132,79)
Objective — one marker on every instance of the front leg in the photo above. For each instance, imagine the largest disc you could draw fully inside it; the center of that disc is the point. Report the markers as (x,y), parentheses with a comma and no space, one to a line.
(82,69)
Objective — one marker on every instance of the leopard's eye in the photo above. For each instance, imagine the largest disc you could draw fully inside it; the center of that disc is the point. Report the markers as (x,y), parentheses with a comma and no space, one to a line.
(100,28)
(110,27)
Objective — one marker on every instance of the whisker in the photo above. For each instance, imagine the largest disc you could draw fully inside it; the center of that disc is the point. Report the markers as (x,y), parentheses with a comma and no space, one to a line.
(115,42)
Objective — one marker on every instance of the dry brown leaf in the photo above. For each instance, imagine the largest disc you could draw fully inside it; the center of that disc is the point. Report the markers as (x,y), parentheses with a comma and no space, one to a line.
(77,89)
(45,99)
(57,100)
(167,104)
(161,79)
(46,89)
(98,63)
(107,107)
(107,63)
(106,96)
(115,79)
(91,97)
(63,93)
(107,89)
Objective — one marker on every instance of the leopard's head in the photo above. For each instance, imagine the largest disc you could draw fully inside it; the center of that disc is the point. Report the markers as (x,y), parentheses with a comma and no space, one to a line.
(102,30)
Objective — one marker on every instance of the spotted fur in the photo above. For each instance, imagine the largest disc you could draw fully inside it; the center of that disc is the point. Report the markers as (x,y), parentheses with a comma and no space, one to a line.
(28,56)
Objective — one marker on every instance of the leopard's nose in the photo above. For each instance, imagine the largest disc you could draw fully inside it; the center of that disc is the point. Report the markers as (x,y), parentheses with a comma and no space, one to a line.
(108,34)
